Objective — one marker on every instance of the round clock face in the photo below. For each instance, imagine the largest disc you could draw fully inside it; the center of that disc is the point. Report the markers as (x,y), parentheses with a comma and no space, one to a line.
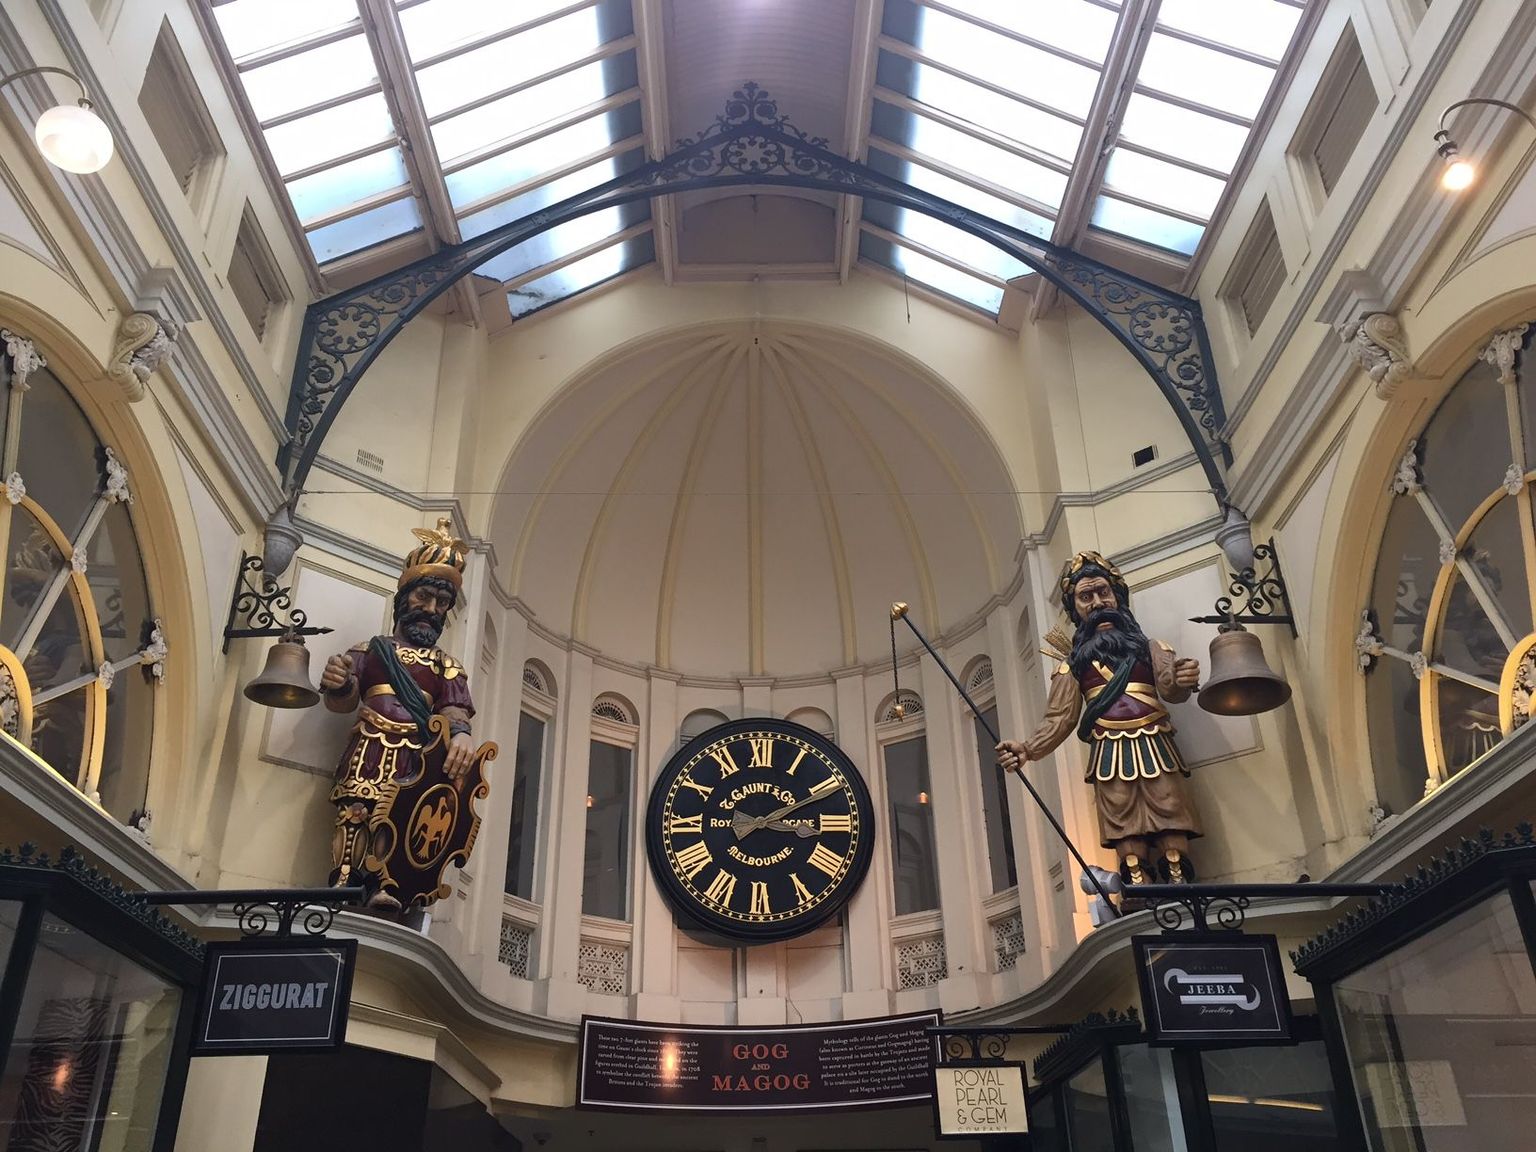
(759,829)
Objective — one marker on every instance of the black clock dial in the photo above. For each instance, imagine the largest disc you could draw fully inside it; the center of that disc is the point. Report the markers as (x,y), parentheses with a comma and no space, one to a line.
(759,829)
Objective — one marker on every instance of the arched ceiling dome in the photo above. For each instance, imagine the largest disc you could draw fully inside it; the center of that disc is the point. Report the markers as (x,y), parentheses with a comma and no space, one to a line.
(748,500)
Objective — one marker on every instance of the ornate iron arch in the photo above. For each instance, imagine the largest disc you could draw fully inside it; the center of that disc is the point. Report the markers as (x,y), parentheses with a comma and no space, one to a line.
(752,145)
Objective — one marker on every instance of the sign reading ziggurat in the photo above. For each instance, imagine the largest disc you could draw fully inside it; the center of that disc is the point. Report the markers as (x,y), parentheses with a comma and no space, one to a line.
(664,1067)
(273,995)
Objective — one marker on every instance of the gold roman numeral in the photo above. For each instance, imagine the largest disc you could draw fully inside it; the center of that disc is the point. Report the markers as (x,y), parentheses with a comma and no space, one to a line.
(796,764)
(694,858)
(721,888)
(701,789)
(825,859)
(696,824)
(829,823)
(760,899)
(762,752)
(802,893)
(722,756)
(830,784)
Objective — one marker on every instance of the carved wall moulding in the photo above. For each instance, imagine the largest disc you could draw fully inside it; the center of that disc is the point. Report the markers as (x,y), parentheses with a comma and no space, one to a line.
(1377,345)
(1503,350)
(25,358)
(141,346)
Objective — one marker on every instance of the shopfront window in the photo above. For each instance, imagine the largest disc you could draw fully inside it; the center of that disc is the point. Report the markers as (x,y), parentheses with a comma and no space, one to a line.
(914,867)
(1439,1034)
(605,887)
(1271,1099)
(1086,1103)
(1449,639)
(1151,1099)
(79,645)
(88,1061)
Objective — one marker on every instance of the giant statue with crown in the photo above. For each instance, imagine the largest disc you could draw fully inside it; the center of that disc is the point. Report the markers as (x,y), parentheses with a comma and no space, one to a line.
(409,779)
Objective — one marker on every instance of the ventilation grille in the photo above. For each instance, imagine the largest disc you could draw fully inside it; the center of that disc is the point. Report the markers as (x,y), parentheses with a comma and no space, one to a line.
(981,677)
(911,704)
(603,967)
(607,708)
(533,678)
(1008,941)
(516,946)
(921,963)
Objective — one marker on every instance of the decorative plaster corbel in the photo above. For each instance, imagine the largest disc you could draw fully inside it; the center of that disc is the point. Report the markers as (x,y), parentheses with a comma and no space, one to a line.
(1376,344)
(25,358)
(1502,351)
(141,346)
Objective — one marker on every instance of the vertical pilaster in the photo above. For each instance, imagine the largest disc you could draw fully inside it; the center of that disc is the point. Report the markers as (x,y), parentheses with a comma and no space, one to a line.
(653,957)
(865,944)
(565,865)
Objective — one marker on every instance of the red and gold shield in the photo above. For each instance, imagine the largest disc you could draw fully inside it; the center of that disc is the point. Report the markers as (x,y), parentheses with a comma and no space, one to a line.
(422,825)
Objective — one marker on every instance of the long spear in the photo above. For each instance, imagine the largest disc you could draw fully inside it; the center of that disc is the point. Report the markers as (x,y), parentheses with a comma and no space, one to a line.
(899,612)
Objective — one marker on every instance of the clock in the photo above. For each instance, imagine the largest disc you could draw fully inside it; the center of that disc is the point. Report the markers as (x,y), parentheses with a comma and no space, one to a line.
(759,830)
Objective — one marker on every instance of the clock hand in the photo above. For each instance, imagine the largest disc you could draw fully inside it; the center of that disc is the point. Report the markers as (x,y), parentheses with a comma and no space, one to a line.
(742,824)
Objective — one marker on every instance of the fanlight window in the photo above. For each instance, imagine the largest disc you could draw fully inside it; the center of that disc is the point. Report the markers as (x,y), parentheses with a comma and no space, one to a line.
(80,648)
(1448,638)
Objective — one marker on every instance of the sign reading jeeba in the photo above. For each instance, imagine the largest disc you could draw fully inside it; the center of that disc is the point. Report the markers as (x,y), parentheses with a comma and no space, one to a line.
(979,1101)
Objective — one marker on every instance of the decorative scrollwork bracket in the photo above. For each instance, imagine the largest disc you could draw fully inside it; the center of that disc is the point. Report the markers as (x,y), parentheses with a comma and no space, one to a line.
(262,603)
(269,911)
(1256,595)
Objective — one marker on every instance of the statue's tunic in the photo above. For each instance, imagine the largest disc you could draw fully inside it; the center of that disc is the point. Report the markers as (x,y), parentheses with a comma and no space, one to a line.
(1133,763)
(385,744)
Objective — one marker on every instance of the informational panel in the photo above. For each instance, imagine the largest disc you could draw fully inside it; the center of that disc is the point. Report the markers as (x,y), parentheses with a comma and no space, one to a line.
(971,1101)
(1212,988)
(274,995)
(666,1067)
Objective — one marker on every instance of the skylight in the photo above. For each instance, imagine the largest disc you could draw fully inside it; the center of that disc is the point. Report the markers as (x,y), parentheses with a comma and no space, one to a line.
(496,110)
(986,103)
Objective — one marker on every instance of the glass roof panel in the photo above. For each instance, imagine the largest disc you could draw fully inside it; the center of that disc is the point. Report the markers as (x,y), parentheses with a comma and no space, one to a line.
(1161,183)
(552,192)
(311,77)
(559,242)
(982,107)
(514,60)
(332,189)
(435,26)
(1077,26)
(1146,226)
(1204,76)
(948,188)
(1258,26)
(1000,60)
(477,129)
(955,149)
(938,236)
(1178,131)
(331,134)
(248,27)
(546,154)
(365,229)
(977,293)
(588,272)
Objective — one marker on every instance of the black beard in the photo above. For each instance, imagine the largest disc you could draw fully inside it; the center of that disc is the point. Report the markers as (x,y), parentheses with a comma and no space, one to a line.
(1110,646)
(421,628)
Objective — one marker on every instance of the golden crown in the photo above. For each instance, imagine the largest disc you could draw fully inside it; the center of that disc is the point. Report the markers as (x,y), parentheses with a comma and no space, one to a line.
(441,554)
(1074,566)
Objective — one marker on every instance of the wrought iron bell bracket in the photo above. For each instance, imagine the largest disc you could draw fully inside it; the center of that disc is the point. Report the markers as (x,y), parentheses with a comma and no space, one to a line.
(263,608)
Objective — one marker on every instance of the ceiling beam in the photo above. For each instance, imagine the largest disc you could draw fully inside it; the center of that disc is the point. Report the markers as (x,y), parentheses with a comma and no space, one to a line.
(381,23)
(868,16)
(656,122)
(1117,81)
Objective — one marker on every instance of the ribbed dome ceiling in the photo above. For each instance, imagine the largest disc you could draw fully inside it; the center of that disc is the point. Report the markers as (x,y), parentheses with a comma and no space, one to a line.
(749,500)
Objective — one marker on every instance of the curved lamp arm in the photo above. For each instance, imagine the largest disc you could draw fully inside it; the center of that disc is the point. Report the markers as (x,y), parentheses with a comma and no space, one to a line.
(1459,173)
(1504,104)
(85,97)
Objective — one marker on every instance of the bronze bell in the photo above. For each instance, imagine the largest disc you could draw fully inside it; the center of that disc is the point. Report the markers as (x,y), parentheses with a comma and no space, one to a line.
(284,682)
(1241,683)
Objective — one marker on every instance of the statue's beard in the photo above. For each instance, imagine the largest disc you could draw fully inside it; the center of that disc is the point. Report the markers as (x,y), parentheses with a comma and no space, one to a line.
(1108,646)
(421,627)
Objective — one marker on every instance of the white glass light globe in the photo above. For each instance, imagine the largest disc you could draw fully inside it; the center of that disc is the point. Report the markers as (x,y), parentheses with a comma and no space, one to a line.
(1458,175)
(74,138)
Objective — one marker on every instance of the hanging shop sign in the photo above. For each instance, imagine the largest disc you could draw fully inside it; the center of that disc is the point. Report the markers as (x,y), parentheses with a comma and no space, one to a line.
(262,996)
(975,1100)
(666,1067)
(1216,987)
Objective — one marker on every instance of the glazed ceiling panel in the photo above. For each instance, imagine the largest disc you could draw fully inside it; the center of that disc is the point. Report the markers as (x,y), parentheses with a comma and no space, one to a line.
(427,122)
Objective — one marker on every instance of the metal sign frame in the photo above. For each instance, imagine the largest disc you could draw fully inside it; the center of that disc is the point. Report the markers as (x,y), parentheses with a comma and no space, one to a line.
(342,949)
(1267,982)
(981,1066)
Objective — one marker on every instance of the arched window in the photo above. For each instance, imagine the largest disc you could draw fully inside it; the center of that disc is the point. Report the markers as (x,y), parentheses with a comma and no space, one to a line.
(994,781)
(909,810)
(698,722)
(610,795)
(80,648)
(1447,638)
(533,722)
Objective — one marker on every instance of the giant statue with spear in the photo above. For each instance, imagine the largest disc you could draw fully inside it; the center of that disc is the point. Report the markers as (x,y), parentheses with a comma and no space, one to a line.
(1112,688)
(407,780)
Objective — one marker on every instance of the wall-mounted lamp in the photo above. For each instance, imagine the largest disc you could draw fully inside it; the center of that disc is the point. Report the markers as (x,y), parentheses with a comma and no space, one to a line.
(1460,173)
(262,602)
(70,136)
